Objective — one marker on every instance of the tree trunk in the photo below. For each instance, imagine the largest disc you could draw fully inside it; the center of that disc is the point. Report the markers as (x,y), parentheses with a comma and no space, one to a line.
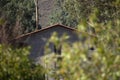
(37,13)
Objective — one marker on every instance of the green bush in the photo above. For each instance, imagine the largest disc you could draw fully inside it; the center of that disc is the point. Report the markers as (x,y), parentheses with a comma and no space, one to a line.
(15,65)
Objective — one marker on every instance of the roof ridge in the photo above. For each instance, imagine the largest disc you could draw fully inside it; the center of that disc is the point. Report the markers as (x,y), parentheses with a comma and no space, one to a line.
(23,35)
(43,29)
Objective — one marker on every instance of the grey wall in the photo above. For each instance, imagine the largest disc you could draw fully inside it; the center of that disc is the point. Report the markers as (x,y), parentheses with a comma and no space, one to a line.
(38,40)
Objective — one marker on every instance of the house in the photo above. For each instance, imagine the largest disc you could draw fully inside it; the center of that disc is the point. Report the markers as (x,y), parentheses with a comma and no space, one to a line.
(38,39)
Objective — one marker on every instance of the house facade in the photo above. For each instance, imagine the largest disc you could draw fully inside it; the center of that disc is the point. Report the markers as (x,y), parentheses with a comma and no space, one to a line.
(38,39)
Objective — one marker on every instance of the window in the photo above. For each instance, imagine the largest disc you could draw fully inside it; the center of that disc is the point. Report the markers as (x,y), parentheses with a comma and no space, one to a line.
(57,49)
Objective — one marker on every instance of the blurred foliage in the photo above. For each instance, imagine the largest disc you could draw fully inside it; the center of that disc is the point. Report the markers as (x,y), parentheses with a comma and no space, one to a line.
(78,62)
(96,58)
(15,65)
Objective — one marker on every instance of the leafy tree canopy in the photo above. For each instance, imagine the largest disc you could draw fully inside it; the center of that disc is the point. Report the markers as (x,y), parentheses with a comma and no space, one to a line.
(71,12)
(16,17)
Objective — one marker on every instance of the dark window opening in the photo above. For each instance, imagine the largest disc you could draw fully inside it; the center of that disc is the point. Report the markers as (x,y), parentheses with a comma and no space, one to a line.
(92,48)
(21,44)
(57,49)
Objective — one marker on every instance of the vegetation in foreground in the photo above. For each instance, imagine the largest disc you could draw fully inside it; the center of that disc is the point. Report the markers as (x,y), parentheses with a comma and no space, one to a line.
(15,65)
